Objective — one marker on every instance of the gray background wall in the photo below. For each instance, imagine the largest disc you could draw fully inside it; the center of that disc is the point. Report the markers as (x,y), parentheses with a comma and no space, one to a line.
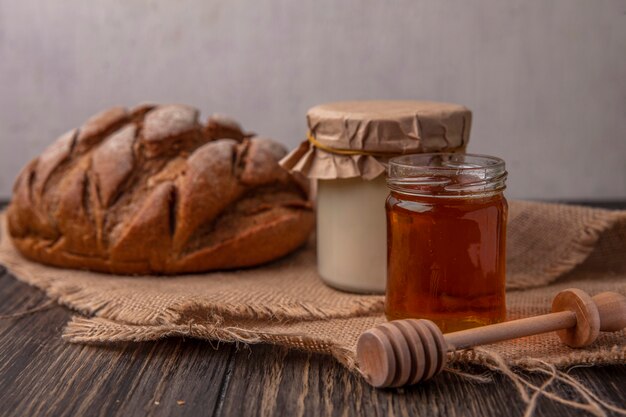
(546,79)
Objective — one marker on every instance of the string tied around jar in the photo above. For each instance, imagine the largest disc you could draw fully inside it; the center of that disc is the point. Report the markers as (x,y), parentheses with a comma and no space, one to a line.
(337,151)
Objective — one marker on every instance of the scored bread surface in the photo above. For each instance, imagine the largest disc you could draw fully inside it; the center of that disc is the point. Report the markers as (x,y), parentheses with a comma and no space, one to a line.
(153,191)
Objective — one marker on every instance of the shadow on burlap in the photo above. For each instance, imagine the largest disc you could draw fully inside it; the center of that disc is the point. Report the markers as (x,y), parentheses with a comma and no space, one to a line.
(550,247)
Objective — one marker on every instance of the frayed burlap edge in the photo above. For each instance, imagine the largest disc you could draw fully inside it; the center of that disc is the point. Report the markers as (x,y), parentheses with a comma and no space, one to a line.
(93,302)
(578,249)
(98,330)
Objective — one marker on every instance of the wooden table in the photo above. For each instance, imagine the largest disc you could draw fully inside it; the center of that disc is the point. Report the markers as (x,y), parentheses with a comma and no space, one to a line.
(40,375)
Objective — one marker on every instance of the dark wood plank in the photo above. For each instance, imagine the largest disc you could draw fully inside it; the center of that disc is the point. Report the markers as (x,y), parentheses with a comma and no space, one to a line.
(42,375)
(275,382)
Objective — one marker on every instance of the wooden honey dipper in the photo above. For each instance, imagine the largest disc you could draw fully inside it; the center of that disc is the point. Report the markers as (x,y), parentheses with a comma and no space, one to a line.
(405,352)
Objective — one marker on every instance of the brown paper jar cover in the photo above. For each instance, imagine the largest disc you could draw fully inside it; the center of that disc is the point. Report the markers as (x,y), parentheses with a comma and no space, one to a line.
(355,138)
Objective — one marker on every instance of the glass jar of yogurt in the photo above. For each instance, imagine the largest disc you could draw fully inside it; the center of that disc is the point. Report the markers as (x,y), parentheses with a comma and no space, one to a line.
(347,148)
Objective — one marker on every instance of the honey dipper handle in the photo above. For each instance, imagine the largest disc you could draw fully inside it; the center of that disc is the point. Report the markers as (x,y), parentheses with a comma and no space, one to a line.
(577,318)
(510,330)
(612,309)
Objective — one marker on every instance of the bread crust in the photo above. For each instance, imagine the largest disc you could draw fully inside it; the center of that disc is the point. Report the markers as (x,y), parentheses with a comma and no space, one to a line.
(153,191)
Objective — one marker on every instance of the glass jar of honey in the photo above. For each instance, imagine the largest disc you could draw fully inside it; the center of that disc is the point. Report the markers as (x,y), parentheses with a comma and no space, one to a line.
(446,239)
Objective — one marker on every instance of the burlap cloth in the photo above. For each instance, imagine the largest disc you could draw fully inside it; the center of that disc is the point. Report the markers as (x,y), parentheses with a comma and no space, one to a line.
(550,248)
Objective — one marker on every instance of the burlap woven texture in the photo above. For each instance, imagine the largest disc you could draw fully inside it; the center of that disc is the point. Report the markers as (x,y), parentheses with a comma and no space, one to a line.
(550,247)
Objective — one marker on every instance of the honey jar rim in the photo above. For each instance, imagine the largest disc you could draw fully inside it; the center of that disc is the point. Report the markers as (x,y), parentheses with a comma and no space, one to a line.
(447,174)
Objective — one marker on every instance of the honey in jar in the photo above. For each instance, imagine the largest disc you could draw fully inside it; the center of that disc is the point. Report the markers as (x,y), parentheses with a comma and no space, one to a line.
(446,237)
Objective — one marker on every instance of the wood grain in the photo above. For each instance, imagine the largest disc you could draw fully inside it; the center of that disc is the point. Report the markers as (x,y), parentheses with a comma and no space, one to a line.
(40,375)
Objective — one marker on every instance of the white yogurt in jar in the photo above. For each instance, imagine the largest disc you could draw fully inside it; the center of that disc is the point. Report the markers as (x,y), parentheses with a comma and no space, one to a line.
(352,234)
